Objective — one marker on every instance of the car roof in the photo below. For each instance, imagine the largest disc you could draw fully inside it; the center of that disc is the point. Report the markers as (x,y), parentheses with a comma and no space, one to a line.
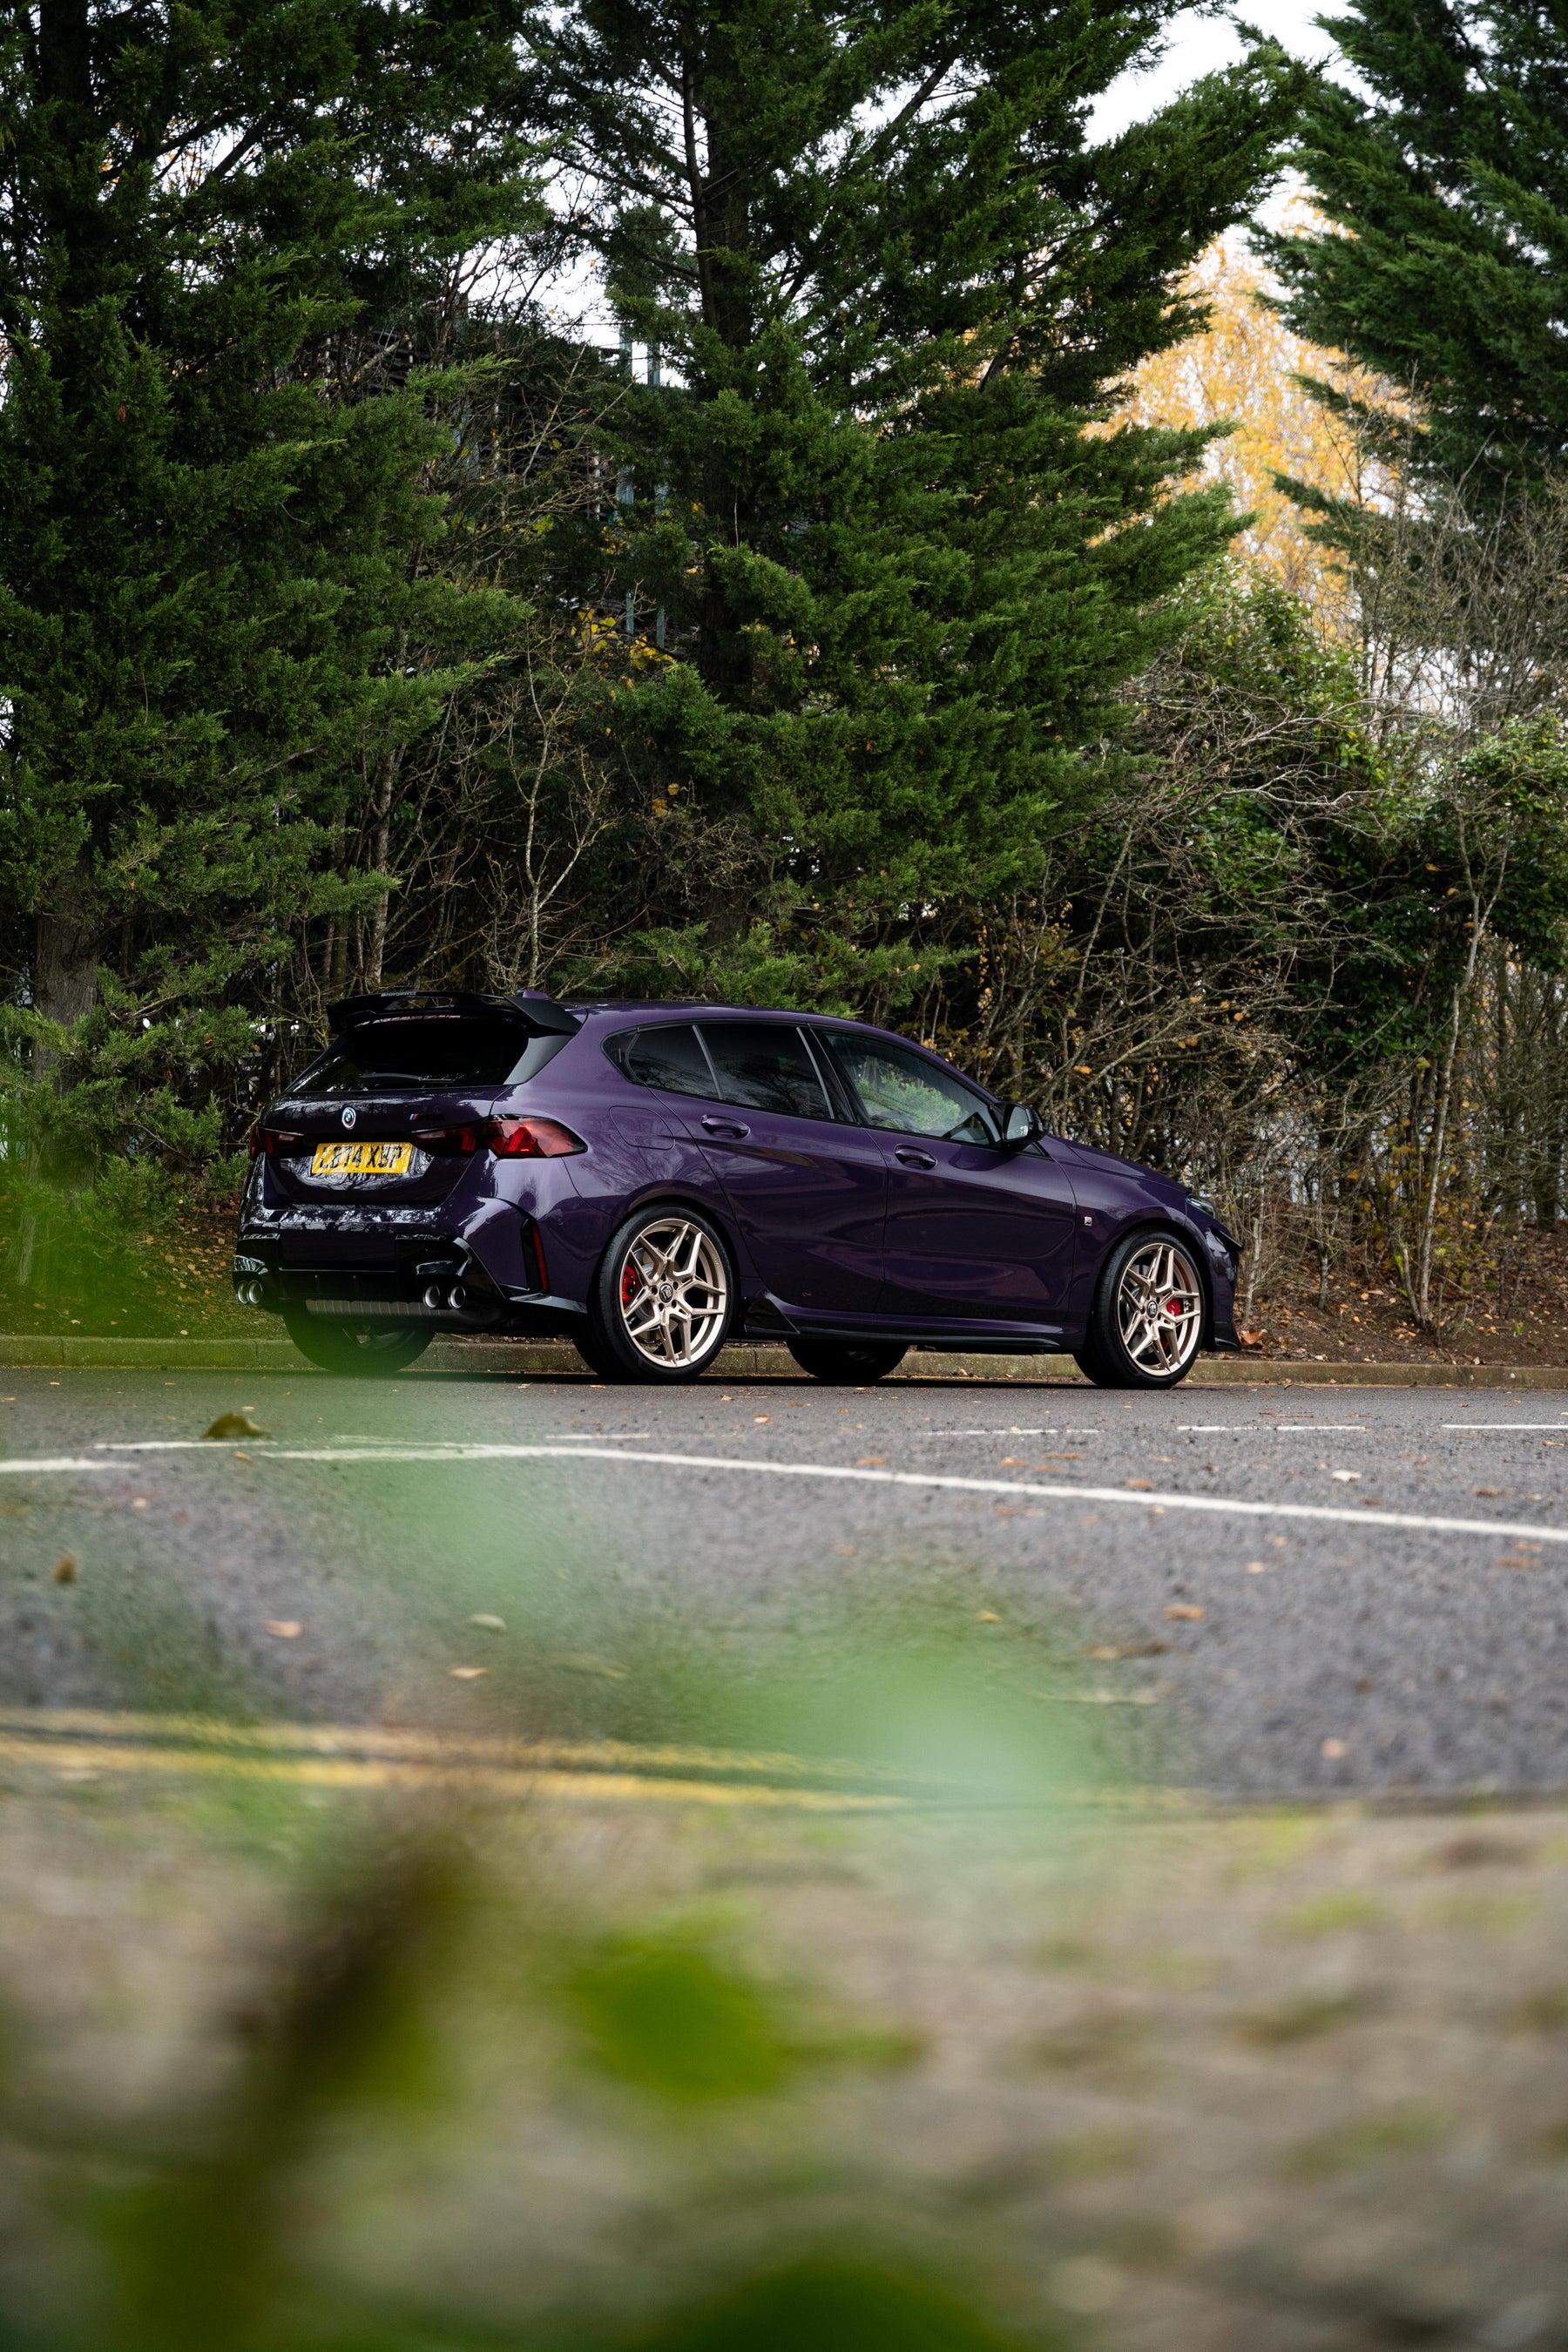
(683,1008)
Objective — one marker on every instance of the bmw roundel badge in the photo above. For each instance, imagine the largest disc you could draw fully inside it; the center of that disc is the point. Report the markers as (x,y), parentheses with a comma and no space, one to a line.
(349,1116)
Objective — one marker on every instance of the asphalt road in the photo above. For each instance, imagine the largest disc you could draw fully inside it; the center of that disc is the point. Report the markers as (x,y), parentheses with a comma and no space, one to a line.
(1260,1592)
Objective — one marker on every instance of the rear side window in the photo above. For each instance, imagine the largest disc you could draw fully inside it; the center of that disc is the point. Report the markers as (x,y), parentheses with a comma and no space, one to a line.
(425,1051)
(764,1065)
(669,1058)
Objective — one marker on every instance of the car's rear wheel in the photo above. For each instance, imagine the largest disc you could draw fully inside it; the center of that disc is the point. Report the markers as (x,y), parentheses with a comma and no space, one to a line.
(361,1351)
(662,1299)
(846,1363)
(1148,1316)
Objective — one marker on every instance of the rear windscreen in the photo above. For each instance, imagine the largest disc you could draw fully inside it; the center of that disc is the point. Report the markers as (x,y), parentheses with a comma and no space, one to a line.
(424,1050)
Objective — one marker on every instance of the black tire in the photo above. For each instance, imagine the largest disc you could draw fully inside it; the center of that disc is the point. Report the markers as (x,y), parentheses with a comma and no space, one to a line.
(1106,1358)
(358,1351)
(847,1363)
(630,1314)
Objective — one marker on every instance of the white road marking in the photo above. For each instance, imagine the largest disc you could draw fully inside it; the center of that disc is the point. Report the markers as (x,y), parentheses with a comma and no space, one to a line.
(1426,1522)
(40,1465)
(1264,1428)
(1558,1427)
(1005,1433)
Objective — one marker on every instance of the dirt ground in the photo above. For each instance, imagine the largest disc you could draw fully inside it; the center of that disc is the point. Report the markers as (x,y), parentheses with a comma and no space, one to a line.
(1513,1310)
(1261,2082)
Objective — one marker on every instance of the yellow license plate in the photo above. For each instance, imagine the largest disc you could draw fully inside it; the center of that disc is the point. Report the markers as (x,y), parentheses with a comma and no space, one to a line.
(362,1160)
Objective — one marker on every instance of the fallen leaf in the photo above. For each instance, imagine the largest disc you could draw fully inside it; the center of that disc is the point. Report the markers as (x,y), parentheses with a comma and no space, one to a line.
(761,1416)
(1143,1486)
(234,1425)
(1253,1339)
(1155,1649)
(466,1673)
(64,1570)
(285,1629)
(582,1662)
(872,1461)
(1494,1492)
(138,1502)
(240,1456)
(1334,1749)
(1188,1611)
(490,1624)
(1014,1462)
(1344,1477)
(1258,1568)
(987,1617)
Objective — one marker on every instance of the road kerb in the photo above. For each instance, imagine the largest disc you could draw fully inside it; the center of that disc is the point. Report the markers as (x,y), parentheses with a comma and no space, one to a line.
(522,1359)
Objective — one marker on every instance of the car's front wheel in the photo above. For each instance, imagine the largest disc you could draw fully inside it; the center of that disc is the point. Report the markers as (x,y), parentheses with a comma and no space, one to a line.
(1148,1316)
(846,1363)
(662,1299)
(361,1351)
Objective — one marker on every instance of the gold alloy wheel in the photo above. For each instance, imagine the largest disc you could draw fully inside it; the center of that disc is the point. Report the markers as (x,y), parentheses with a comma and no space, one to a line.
(674,1292)
(1159,1308)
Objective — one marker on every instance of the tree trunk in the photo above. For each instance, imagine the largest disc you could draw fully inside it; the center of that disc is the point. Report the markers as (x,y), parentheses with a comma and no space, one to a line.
(380,850)
(65,961)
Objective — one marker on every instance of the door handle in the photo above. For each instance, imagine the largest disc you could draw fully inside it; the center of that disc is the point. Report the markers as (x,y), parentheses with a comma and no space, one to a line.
(730,1126)
(908,1158)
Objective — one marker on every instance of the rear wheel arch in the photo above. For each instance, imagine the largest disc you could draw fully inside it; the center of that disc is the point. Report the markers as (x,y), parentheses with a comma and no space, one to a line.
(668,1195)
(607,1344)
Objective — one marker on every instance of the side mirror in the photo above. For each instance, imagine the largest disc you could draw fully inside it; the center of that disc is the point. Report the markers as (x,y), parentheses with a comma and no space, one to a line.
(1020,1127)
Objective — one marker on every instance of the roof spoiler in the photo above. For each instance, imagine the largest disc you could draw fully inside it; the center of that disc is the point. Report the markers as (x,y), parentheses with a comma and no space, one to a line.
(538,1013)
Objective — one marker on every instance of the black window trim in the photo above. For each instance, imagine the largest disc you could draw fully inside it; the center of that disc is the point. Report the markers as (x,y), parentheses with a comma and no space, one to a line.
(846,1111)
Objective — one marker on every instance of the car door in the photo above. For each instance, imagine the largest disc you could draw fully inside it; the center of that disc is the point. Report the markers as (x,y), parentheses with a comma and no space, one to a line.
(806,1185)
(973,1233)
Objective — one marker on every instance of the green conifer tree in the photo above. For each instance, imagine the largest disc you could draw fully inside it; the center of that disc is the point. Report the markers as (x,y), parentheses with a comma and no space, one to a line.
(1442,177)
(212,475)
(884,583)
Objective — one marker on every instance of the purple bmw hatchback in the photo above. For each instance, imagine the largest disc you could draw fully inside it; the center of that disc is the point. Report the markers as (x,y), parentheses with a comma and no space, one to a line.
(651,1180)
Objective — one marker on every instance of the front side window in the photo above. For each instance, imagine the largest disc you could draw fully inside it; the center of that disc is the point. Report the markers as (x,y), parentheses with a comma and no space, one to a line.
(670,1057)
(764,1065)
(909,1095)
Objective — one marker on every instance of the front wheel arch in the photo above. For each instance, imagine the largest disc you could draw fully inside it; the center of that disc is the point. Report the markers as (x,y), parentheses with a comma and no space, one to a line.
(1109,1366)
(1191,1241)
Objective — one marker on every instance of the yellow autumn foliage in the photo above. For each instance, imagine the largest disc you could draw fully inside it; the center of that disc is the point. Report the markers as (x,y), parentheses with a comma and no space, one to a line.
(1245,368)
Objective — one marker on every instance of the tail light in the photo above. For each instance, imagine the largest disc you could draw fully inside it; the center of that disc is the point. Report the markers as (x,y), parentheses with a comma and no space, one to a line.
(267,1141)
(532,1139)
(449,1142)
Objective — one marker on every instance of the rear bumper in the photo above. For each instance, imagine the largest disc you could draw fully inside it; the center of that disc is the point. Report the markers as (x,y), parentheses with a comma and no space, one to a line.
(430,1277)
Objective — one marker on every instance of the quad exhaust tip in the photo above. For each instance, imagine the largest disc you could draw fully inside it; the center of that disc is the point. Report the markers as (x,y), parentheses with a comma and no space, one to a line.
(436,1300)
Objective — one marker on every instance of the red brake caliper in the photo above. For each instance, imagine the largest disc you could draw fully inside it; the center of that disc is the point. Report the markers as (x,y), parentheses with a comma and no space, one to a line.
(631,1283)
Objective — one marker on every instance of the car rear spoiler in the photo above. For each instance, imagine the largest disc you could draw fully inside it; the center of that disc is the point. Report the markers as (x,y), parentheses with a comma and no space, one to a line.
(538,1013)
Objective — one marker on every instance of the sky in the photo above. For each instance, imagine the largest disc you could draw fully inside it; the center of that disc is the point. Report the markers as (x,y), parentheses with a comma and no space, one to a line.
(1198,43)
